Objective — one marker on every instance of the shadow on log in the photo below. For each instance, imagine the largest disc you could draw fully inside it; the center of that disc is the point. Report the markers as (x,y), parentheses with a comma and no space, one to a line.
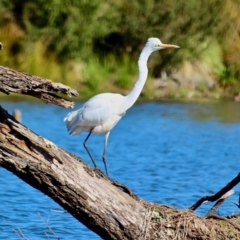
(108,208)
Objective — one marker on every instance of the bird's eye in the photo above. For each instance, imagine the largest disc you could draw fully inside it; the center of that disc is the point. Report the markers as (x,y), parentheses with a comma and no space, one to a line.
(156,45)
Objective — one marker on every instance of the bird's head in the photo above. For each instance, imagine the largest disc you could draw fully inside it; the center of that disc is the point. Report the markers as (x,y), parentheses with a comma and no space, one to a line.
(155,44)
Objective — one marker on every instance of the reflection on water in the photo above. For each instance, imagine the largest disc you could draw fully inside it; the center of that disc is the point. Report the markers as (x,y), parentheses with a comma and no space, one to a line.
(172,153)
(224,112)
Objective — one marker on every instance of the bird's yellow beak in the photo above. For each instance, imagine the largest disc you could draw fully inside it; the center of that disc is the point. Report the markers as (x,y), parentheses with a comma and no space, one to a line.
(162,45)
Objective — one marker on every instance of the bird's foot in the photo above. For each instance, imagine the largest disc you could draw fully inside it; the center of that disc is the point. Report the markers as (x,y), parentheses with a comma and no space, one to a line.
(96,169)
(125,189)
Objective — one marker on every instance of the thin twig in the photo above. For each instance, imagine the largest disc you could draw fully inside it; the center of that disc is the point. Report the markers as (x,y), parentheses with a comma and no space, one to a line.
(58,211)
(47,235)
(218,195)
(237,215)
(219,202)
(225,219)
(48,227)
(19,232)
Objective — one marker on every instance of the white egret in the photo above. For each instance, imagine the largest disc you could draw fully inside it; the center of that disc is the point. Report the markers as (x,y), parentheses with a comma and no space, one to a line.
(102,112)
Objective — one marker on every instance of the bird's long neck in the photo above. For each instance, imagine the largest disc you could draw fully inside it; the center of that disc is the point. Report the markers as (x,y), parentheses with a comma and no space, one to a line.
(132,97)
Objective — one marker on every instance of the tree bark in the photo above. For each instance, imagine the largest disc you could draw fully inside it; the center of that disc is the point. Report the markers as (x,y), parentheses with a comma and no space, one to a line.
(12,81)
(92,198)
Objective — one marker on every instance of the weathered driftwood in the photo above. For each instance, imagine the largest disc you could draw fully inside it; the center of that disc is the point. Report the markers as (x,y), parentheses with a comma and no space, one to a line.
(12,81)
(92,198)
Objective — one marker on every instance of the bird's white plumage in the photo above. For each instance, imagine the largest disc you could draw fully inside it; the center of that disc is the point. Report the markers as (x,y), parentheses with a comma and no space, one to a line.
(102,112)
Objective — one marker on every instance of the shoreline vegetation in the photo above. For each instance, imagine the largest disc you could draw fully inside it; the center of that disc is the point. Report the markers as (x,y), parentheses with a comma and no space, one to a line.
(94,47)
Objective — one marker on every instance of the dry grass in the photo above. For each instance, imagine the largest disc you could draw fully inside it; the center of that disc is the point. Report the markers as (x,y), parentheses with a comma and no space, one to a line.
(166,223)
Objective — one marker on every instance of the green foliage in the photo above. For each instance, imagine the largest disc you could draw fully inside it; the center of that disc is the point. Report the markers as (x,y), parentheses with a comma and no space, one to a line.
(97,75)
(68,27)
(73,29)
(212,56)
(124,71)
(99,35)
(94,73)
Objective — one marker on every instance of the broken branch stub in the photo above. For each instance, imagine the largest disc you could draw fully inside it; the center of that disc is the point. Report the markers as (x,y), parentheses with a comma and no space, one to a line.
(218,195)
(12,81)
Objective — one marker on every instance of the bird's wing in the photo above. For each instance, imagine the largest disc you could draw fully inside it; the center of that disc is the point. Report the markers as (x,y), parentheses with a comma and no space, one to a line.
(99,109)
(96,111)
(86,118)
(102,108)
(94,115)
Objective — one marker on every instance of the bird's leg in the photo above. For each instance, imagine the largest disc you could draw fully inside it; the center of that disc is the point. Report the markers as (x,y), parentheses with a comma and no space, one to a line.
(85,145)
(104,157)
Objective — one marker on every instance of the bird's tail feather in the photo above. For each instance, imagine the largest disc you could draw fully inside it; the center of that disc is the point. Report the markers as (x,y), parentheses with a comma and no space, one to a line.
(71,121)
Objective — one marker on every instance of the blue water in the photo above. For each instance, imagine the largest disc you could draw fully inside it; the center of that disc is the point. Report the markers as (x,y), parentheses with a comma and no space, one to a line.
(168,152)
